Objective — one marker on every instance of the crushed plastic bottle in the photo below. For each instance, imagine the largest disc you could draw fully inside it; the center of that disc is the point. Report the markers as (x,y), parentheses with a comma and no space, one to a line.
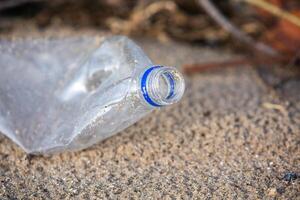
(67,94)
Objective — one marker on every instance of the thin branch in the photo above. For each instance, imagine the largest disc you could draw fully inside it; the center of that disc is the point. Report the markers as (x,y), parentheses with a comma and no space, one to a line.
(191,69)
(228,26)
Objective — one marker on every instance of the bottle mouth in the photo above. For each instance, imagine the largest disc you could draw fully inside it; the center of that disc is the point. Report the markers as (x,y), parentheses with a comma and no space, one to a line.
(162,86)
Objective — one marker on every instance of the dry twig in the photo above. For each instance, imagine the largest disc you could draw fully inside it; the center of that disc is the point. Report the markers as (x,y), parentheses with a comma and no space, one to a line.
(273,106)
(228,26)
(140,16)
(191,69)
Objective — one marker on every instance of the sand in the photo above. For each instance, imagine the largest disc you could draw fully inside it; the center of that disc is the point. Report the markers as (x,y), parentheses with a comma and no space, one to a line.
(231,137)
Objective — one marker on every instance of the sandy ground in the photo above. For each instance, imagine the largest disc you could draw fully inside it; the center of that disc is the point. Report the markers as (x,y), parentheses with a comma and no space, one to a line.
(224,140)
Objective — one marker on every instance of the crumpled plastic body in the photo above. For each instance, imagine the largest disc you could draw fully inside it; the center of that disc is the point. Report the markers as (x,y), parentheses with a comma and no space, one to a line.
(67,94)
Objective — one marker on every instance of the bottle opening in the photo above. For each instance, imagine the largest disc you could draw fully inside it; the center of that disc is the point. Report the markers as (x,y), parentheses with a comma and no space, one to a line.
(162,85)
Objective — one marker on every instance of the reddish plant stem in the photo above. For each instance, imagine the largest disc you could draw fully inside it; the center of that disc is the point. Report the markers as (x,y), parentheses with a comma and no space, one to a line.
(191,69)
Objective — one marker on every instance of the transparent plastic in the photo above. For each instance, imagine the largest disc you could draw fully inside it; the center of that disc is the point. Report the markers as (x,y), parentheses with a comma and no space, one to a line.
(67,94)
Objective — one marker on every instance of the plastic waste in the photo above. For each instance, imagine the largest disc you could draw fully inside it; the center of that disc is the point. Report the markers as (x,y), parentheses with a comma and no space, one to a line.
(67,94)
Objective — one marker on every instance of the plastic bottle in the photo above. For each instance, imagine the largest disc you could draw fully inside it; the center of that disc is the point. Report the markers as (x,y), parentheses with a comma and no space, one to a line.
(67,94)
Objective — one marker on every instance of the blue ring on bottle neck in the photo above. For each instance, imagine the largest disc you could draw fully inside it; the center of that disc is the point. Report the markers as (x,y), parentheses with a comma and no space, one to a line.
(144,86)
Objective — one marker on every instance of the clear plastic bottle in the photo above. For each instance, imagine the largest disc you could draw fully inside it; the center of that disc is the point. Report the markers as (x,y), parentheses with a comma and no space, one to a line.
(67,94)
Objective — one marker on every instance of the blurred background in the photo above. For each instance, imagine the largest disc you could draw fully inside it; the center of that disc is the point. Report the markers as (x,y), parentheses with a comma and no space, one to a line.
(205,22)
(267,32)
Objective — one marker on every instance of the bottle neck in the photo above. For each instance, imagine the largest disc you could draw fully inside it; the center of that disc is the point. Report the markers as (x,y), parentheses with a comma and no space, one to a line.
(161,86)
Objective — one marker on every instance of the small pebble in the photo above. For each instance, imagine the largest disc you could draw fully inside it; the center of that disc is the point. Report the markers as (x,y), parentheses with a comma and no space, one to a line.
(272,192)
(280,190)
(290,176)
